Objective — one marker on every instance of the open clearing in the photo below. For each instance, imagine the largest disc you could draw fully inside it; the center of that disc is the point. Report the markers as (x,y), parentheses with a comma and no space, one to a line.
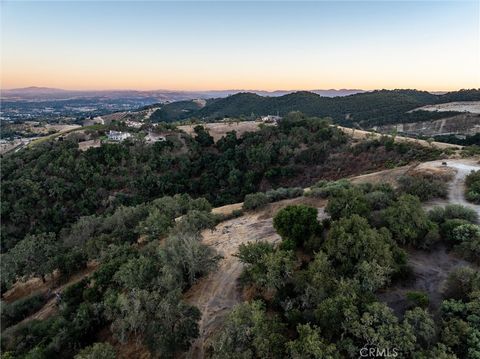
(463,124)
(219,129)
(464,106)
(360,134)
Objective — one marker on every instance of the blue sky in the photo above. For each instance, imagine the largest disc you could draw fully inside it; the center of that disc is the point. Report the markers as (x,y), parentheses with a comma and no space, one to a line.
(263,45)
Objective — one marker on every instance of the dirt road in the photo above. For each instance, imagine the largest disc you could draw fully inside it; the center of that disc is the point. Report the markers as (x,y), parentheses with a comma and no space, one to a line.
(216,294)
(456,193)
(219,292)
(431,268)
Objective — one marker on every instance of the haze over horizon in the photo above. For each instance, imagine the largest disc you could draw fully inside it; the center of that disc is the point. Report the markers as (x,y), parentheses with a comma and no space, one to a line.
(262,46)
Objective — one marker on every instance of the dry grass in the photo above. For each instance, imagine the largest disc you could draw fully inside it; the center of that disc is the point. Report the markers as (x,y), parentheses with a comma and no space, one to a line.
(219,129)
(361,135)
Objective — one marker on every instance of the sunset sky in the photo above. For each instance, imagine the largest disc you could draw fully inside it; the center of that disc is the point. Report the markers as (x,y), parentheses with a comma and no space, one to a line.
(431,45)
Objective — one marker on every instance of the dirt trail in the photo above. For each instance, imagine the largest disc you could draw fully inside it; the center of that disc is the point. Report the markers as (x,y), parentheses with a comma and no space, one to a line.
(216,294)
(51,307)
(432,268)
(219,292)
(456,193)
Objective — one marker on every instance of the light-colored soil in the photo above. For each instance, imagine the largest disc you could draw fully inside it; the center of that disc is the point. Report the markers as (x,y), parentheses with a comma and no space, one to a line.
(228,209)
(36,286)
(464,124)
(219,292)
(463,106)
(219,129)
(85,145)
(456,192)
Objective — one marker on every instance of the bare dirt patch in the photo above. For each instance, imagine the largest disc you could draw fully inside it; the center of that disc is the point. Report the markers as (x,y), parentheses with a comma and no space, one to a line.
(463,106)
(219,129)
(360,134)
(85,145)
(220,291)
(430,270)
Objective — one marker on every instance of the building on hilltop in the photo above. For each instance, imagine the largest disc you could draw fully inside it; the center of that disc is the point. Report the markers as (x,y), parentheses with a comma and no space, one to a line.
(118,136)
(270,119)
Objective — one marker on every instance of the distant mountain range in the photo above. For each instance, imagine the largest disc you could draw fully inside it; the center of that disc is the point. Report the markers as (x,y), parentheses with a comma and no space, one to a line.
(47,94)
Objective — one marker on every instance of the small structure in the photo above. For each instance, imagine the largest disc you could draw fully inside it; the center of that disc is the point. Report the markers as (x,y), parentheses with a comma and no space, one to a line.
(118,136)
(134,124)
(270,119)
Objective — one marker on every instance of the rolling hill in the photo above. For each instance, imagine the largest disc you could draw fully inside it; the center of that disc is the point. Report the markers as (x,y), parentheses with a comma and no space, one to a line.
(365,109)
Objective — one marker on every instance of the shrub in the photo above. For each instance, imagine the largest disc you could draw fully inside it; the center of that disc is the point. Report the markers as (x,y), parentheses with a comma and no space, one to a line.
(423,188)
(378,200)
(278,194)
(461,282)
(325,189)
(452,211)
(347,202)
(468,238)
(472,183)
(255,201)
(447,228)
(407,221)
(418,299)
(195,221)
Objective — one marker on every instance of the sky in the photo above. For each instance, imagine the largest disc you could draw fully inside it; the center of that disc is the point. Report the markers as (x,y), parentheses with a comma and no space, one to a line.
(269,45)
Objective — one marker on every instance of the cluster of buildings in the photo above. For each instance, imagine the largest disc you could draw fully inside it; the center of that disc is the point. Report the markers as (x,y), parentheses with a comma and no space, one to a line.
(119,136)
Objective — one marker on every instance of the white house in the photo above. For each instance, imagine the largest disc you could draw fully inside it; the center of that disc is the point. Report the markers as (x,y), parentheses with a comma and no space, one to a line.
(118,136)
(270,119)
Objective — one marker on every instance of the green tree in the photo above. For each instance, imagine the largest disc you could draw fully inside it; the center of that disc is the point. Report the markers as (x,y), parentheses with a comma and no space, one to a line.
(266,266)
(297,223)
(351,242)
(163,321)
(139,273)
(407,221)
(423,326)
(250,333)
(36,255)
(468,238)
(348,202)
(310,345)
(380,327)
(185,253)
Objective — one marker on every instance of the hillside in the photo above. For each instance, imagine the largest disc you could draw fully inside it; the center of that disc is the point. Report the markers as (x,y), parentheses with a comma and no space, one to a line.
(365,109)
